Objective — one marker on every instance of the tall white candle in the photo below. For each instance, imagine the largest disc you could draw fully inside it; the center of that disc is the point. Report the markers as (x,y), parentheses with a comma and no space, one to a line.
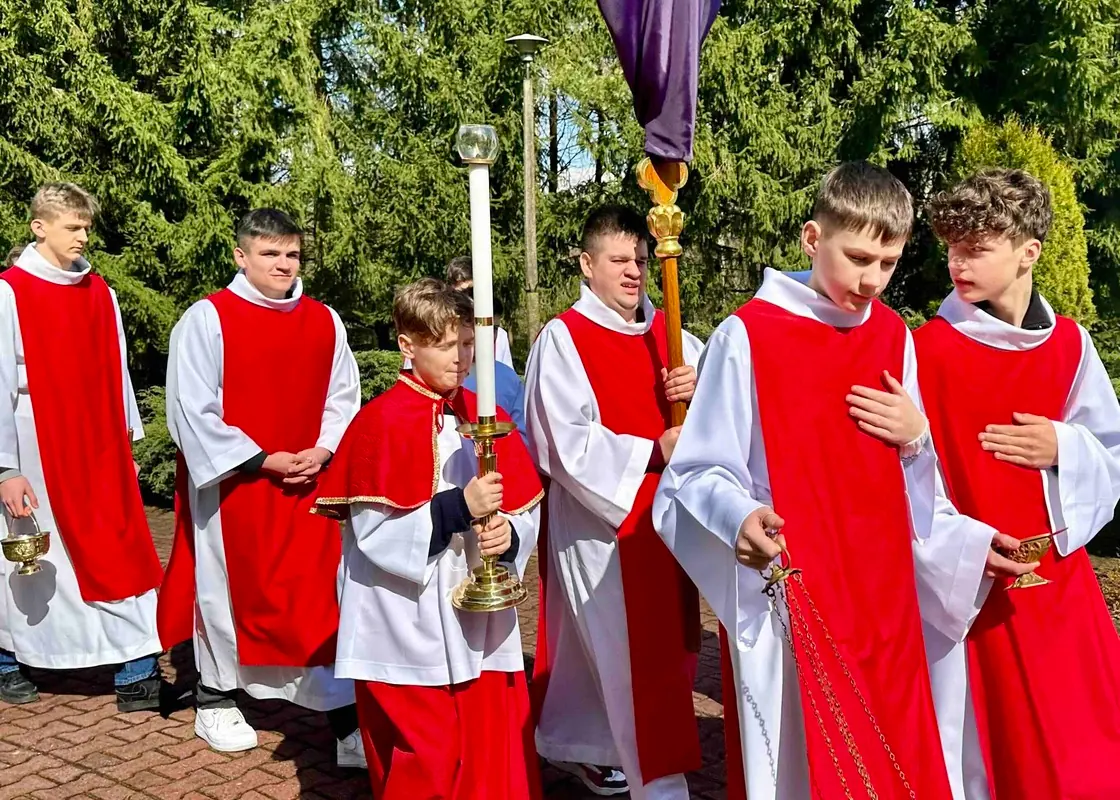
(483,276)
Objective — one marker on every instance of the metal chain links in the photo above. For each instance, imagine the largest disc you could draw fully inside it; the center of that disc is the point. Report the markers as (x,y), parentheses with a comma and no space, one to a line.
(800,627)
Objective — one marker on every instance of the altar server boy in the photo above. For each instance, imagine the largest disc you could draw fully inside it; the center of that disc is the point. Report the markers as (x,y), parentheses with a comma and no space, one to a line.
(805,440)
(1027,427)
(442,700)
(68,417)
(261,384)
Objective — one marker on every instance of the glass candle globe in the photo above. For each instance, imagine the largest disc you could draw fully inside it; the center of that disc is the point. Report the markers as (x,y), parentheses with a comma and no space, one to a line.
(477,144)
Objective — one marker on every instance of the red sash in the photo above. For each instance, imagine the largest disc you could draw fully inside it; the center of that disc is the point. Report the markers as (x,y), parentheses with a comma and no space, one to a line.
(1045,661)
(662,604)
(843,496)
(73,358)
(388,454)
(282,561)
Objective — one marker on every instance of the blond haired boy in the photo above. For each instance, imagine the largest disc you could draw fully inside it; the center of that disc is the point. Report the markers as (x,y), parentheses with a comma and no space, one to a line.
(67,414)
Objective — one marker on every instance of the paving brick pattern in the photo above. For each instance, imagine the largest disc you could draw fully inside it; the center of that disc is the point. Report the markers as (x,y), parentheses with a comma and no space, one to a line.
(74,744)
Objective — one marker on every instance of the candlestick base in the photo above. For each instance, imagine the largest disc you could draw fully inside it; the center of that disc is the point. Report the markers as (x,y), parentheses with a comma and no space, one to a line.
(491,587)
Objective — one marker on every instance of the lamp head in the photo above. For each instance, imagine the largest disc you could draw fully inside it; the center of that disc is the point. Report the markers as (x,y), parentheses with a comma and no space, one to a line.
(527,44)
(477,144)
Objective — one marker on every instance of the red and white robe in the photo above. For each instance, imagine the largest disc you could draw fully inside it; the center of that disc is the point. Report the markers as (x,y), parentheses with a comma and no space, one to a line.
(253,576)
(1029,703)
(442,700)
(62,349)
(769,425)
(618,621)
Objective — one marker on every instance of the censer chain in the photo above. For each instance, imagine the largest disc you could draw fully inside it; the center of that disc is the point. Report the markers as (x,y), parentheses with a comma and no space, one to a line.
(800,626)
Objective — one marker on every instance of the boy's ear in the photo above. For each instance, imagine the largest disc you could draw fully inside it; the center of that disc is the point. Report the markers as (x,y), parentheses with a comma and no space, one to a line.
(39,228)
(405,344)
(1031,252)
(810,238)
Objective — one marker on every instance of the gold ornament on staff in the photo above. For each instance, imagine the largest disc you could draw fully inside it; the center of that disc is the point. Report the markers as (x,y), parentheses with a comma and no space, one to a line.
(662,180)
(491,586)
(26,549)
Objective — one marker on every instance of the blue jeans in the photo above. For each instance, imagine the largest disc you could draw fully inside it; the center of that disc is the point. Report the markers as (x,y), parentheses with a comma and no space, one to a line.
(139,669)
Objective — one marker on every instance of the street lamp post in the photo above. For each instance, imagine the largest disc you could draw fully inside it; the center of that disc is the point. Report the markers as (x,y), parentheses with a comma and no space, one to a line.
(527,45)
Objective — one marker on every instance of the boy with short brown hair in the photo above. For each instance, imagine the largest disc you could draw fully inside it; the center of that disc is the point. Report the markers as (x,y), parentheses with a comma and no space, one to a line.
(432,682)
(787,445)
(1027,427)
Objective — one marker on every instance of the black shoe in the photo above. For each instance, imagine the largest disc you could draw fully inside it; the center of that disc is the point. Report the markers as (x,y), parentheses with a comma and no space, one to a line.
(603,781)
(17,689)
(140,696)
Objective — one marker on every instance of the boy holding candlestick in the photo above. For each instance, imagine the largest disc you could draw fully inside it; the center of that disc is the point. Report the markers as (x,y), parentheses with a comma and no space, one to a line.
(442,700)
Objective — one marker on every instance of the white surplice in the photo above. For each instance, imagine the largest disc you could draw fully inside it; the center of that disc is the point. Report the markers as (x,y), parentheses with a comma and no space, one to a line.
(718,475)
(1081,496)
(213,452)
(44,619)
(398,625)
(595,477)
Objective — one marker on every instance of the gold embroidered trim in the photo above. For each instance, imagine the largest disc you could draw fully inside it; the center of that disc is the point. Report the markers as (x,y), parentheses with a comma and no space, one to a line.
(324,504)
(416,386)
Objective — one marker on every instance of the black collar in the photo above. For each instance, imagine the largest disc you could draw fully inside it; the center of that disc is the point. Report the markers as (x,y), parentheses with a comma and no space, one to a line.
(1036,318)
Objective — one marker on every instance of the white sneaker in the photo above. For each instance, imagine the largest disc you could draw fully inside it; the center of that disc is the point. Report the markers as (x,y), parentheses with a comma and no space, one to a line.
(351,752)
(224,729)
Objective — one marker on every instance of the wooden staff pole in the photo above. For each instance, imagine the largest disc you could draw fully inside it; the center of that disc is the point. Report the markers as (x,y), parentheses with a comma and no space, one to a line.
(662,180)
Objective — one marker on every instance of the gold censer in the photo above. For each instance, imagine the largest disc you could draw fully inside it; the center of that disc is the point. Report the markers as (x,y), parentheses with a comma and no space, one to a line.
(1030,550)
(491,586)
(27,549)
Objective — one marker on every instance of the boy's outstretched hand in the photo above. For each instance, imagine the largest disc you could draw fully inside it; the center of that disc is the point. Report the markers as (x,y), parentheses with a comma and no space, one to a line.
(759,541)
(680,384)
(495,538)
(1030,442)
(484,495)
(890,415)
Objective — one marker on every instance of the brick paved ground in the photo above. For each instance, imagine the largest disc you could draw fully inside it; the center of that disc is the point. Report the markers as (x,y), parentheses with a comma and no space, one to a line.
(74,744)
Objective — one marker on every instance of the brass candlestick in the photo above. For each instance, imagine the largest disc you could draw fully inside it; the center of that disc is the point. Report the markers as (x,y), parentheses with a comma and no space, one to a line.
(491,587)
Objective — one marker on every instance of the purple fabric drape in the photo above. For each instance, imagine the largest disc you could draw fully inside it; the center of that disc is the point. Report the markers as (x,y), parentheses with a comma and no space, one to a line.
(658,43)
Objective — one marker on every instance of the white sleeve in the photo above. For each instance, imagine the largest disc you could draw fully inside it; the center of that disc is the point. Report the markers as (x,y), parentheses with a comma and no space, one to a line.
(131,410)
(9,380)
(693,348)
(502,351)
(600,468)
(395,541)
(707,489)
(950,548)
(1084,492)
(526,525)
(344,393)
(212,449)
